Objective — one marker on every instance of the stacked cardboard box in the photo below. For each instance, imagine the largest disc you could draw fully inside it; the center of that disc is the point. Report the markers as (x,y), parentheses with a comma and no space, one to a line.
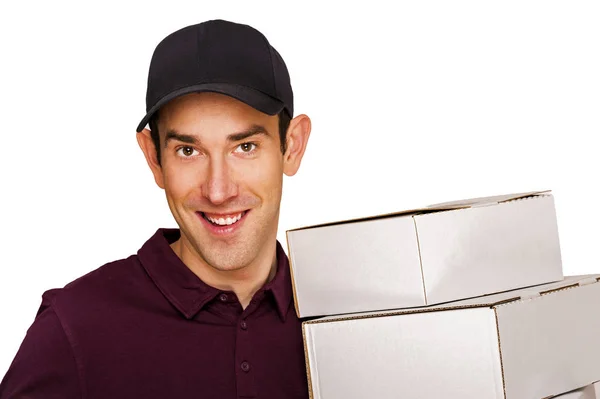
(457,300)
(589,392)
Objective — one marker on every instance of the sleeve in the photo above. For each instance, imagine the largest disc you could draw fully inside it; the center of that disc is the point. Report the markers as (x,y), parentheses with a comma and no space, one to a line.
(45,365)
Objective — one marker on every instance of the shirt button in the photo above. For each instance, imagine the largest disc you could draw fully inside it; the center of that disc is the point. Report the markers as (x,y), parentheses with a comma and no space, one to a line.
(244,325)
(223,297)
(245,366)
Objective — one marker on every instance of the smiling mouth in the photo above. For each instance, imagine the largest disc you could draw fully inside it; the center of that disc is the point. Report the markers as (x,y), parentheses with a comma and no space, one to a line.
(223,220)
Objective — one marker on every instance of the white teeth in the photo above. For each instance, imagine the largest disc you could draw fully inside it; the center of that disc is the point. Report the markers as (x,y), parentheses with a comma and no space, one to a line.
(225,221)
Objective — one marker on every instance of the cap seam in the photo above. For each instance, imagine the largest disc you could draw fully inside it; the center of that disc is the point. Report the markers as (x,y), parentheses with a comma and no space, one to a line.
(269,47)
(198,57)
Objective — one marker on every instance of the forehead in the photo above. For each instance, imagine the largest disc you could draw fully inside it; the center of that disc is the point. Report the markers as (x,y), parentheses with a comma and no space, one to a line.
(200,111)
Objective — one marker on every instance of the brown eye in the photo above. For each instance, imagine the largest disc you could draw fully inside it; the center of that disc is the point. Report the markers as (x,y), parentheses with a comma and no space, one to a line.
(246,147)
(186,151)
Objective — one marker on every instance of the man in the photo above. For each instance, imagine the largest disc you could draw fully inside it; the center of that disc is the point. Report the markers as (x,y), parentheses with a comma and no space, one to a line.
(206,310)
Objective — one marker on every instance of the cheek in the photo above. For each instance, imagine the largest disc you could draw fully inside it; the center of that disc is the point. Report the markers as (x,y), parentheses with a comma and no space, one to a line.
(180,181)
(263,177)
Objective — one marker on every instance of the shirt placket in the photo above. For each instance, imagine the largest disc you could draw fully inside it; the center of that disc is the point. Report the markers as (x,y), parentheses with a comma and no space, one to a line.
(246,382)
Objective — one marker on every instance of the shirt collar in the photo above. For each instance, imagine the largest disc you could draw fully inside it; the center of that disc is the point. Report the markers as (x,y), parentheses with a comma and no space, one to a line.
(185,290)
(281,285)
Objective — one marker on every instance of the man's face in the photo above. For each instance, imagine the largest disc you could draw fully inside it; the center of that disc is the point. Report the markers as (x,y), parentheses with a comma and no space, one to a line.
(222,171)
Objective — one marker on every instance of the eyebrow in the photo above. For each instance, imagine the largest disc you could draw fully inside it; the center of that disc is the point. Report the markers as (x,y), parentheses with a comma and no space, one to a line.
(190,139)
(185,138)
(252,131)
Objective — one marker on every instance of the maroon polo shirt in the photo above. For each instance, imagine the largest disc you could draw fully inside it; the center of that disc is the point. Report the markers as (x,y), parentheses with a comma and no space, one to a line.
(147,327)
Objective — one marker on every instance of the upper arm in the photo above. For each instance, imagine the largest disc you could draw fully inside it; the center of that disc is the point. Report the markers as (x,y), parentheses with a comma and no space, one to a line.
(44,366)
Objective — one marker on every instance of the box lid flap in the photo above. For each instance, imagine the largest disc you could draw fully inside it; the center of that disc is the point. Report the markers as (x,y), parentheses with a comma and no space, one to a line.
(478,302)
(486,200)
(446,206)
(367,218)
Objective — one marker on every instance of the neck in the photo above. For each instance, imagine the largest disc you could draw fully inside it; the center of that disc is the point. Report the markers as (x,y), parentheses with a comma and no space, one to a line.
(244,282)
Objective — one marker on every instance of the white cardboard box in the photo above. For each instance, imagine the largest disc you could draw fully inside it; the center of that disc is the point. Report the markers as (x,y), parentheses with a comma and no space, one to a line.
(427,256)
(589,392)
(524,344)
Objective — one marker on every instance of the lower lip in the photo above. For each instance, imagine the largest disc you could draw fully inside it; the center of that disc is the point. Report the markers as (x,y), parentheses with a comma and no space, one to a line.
(223,230)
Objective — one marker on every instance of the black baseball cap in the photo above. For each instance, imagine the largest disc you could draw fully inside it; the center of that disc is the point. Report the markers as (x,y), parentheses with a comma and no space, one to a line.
(223,57)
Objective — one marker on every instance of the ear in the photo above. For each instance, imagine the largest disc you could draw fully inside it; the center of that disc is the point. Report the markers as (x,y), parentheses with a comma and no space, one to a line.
(297,138)
(145,142)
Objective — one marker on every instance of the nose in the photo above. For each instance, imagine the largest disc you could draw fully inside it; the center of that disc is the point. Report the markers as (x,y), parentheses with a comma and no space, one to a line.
(219,186)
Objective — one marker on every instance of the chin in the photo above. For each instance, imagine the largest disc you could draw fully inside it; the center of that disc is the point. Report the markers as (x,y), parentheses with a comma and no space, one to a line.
(229,260)
(224,254)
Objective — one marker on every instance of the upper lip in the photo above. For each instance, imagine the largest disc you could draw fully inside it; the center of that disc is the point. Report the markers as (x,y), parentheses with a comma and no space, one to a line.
(223,214)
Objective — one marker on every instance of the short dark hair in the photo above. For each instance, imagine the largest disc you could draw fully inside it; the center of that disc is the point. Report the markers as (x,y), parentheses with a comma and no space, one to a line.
(284,123)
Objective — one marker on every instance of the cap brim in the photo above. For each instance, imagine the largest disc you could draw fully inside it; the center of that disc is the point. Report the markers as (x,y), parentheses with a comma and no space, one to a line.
(256,99)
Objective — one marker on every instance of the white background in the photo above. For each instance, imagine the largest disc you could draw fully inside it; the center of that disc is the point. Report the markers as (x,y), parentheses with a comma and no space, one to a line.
(426,102)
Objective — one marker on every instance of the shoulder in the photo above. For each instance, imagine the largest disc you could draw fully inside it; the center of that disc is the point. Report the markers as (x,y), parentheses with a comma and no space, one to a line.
(111,283)
(51,359)
(45,364)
